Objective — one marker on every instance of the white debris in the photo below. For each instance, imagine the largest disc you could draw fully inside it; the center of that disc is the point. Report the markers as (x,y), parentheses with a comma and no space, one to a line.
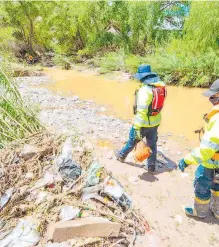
(25,234)
(6,197)
(48,179)
(41,196)
(68,213)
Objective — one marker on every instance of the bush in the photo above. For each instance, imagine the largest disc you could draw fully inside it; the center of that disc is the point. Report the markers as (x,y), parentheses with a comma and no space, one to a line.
(112,61)
(175,66)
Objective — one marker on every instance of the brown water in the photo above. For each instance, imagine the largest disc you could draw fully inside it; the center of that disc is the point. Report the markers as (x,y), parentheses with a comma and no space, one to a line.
(182,114)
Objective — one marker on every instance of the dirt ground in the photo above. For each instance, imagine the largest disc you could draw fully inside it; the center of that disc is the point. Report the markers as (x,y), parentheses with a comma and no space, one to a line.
(161,198)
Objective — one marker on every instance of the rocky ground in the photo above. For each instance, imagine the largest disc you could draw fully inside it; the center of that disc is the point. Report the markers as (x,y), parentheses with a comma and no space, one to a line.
(161,197)
(64,113)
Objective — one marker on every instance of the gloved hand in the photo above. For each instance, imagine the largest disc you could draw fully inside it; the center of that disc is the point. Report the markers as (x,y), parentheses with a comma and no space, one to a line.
(182,165)
(138,134)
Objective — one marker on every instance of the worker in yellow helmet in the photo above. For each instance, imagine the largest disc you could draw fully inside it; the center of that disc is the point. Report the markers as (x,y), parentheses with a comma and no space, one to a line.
(207,156)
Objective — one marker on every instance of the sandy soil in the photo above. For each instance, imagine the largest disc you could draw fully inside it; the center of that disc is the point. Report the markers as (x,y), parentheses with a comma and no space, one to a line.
(161,198)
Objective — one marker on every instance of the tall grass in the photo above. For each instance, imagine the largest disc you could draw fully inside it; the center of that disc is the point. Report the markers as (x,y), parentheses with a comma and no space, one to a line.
(17,120)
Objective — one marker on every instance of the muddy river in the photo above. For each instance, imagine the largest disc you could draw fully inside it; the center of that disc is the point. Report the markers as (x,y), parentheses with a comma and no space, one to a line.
(182,114)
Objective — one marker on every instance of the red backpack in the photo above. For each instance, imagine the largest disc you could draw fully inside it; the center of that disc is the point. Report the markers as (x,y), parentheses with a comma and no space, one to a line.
(159,95)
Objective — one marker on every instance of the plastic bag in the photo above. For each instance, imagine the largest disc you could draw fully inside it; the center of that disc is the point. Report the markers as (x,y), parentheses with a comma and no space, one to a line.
(115,191)
(93,176)
(25,234)
(68,213)
(67,150)
(68,168)
(141,152)
(6,197)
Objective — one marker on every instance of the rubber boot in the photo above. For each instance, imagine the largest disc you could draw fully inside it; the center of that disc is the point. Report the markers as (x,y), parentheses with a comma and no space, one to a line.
(200,209)
(214,204)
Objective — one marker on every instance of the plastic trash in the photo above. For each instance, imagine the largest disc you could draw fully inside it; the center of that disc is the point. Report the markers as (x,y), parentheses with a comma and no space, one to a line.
(41,196)
(25,234)
(68,213)
(114,190)
(48,179)
(93,177)
(141,152)
(66,152)
(68,168)
(91,192)
(6,197)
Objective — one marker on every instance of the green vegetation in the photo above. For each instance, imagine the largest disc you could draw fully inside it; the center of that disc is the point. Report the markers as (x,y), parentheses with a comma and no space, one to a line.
(17,120)
(179,39)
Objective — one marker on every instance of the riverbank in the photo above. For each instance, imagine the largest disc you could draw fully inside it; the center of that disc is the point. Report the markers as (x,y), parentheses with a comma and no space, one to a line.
(116,92)
(158,197)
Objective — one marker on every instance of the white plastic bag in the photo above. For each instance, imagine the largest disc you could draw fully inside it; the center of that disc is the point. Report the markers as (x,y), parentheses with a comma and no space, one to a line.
(25,234)
(6,197)
(68,213)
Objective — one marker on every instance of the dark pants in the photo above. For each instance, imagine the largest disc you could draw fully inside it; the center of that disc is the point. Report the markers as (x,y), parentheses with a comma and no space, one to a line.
(204,182)
(151,139)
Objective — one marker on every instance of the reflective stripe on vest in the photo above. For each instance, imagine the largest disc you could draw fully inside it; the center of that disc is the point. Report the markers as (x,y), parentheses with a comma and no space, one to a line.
(210,144)
(142,122)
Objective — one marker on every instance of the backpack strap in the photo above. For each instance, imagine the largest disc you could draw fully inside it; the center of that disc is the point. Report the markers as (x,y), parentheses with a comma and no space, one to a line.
(135,102)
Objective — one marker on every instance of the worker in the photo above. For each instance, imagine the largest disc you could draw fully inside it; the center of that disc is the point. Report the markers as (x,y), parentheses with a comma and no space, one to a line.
(149,101)
(207,156)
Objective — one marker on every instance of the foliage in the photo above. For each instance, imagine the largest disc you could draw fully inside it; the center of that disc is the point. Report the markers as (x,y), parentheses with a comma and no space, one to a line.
(17,120)
(120,35)
(174,68)
(202,26)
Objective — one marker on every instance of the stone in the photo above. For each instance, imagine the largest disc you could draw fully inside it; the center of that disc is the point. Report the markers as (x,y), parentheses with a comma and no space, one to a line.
(86,227)
(179,153)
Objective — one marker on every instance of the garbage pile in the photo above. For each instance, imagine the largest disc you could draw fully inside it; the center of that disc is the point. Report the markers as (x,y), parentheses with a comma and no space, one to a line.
(53,193)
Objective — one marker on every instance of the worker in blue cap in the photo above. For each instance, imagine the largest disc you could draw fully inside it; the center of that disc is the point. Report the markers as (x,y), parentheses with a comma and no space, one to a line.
(149,101)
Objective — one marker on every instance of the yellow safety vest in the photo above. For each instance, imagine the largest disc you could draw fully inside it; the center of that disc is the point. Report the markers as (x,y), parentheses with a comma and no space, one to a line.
(144,97)
(207,153)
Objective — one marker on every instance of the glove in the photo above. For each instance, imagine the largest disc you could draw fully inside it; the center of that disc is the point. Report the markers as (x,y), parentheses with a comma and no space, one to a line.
(182,165)
(138,134)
